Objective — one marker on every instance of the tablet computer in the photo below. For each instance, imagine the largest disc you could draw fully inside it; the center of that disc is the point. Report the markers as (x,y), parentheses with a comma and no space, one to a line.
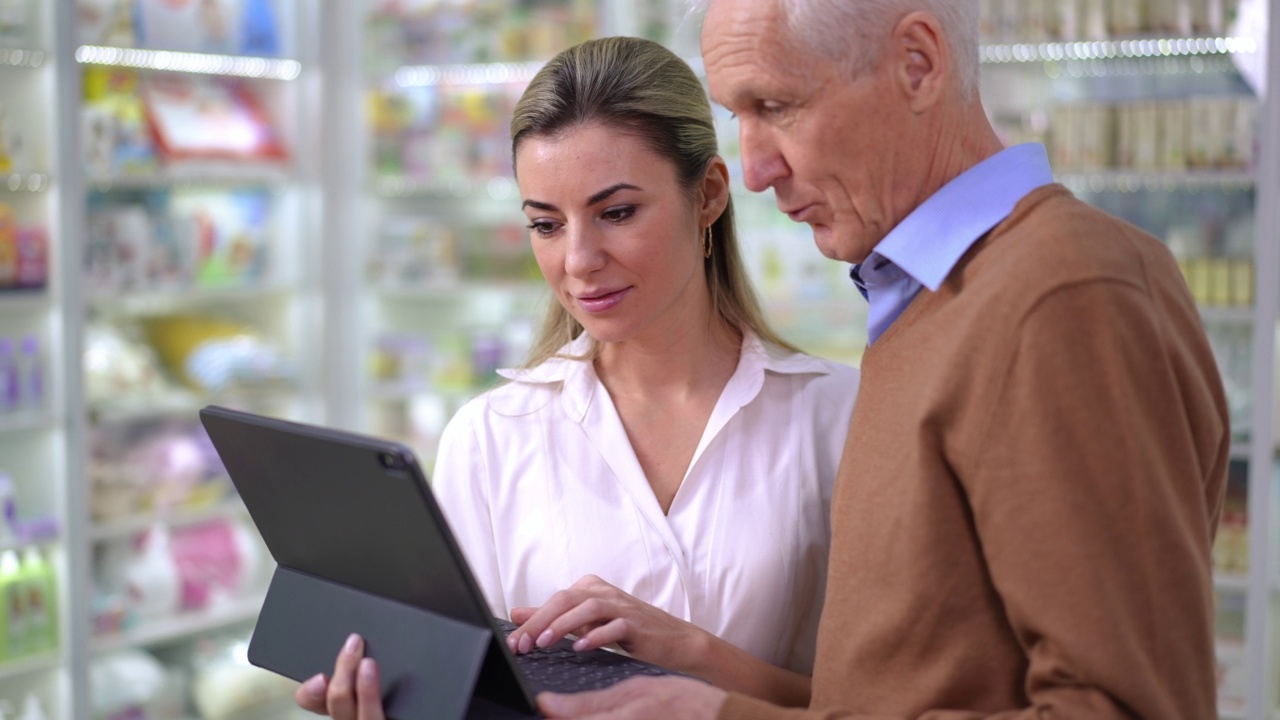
(361,546)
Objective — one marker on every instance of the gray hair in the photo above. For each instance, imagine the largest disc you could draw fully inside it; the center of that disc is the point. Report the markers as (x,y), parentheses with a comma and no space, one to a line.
(849,32)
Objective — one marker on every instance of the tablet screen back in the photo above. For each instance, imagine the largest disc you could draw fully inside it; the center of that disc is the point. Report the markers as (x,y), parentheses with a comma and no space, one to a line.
(347,508)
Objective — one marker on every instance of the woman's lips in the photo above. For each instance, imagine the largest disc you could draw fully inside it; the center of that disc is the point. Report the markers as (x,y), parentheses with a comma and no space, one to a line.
(602,302)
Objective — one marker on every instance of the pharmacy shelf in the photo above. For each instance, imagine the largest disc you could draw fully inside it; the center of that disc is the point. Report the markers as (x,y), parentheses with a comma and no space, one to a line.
(190,174)
(494,189)
(137,409)
(182,626)
(22,57)
(21,667)
(155,302)
(190,62)
(134,524)
(27,420)
(1231,582)
(1030,52)
(25,182)
(1226,315)
(451,288)
(1125,181)
(35,301)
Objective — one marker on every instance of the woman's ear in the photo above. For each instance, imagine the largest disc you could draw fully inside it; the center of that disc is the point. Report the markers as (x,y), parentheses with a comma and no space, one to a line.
(715,191)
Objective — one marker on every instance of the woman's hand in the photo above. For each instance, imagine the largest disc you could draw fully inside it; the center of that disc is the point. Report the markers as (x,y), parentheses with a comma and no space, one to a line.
(601,614)
(354,692)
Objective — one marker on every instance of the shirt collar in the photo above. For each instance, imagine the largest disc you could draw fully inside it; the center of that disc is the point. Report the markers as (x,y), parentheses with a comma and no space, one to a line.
(580,380)
(929,242)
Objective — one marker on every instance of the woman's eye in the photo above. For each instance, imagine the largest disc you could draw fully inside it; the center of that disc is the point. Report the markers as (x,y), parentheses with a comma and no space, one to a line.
(542,227)
(619,214)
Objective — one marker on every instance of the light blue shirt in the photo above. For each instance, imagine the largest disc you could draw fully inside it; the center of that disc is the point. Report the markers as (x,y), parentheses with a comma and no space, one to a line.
(922,250)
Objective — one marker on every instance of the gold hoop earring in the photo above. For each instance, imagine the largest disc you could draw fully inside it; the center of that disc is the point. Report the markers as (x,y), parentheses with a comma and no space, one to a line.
(706,245)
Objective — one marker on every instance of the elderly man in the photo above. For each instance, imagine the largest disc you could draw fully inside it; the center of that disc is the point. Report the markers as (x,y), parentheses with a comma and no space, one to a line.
(1035,468)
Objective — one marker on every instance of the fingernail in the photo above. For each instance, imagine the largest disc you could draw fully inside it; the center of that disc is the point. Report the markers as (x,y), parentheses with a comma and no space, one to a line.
(353,644)
(545,638)
(513,643)
(314,686)
(368,670)
(580,644)
(526,644)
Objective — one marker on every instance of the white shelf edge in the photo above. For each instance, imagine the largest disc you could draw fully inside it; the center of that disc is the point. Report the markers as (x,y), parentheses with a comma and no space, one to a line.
(181,626)
(152,300)
(27,421)
(204,174)
(434,290)
(22,57)
(1132,180)
(42,662)
(1226,315)
(190,62)
(122,528)
(1230,582)
(25,300)
(15,182)
(1154,47)
(107,413)
(495,73)
(498,188)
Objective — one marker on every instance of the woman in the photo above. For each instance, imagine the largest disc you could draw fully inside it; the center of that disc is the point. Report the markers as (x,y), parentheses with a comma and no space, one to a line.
(664,455)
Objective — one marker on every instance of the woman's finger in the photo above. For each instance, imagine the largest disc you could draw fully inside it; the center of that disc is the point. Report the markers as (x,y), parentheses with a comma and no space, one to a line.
(369,691)
(310,695)
(614,631)
(341,699)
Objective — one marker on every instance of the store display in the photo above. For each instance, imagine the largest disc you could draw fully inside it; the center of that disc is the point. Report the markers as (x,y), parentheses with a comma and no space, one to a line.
(133,684)
(1021,21)
(194,117)
(207,231)
(23,254)
(421,32)
(234,27)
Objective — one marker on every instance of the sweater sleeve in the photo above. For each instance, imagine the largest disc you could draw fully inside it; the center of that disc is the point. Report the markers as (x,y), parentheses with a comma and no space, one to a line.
(460,484)
(1088,499)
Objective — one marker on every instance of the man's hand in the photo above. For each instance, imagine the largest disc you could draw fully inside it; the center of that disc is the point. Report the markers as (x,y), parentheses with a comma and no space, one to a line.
(667,698)
(354,693)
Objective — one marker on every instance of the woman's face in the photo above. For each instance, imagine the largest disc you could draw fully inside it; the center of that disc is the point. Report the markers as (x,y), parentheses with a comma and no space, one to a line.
(617,240)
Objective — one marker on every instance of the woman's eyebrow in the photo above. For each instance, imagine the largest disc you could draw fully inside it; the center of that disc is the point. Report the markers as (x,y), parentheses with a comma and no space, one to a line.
(597,197)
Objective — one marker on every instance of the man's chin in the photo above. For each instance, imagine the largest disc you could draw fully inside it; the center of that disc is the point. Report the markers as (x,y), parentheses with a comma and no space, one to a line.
(825,238)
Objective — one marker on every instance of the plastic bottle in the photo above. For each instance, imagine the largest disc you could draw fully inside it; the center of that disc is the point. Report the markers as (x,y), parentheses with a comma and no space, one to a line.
(13,611)
(8,510)
(9,385)
(31,374)
(32,709)
(42,616)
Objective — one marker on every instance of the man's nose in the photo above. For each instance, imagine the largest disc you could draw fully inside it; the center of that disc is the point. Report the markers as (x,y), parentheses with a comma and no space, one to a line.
(762,164)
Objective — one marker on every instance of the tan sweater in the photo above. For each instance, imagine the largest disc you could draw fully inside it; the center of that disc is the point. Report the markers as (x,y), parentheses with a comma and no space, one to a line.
(1023,516)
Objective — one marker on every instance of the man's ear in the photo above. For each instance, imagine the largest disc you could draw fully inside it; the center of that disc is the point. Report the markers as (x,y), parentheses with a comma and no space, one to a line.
(714,191)
(922,59)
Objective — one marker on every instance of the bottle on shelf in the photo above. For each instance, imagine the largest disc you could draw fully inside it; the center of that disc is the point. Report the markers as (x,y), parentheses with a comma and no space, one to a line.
(13,607)
(41,632)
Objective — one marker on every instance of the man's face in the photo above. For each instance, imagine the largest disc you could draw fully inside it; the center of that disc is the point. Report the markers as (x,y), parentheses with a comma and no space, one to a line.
(828,147)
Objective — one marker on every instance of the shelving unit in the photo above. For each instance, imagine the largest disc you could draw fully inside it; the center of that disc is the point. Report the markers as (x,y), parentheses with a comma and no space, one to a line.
(32,440)
(1216,215)
(390,321)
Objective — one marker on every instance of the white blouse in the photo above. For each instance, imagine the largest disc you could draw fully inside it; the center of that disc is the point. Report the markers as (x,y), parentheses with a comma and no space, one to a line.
(541,486)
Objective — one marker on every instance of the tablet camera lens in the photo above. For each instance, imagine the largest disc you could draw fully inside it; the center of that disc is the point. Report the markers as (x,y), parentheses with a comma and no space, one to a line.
(388,460)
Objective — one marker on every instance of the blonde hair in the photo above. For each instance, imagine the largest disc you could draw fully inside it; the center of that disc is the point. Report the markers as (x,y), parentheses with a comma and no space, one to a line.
(640,88)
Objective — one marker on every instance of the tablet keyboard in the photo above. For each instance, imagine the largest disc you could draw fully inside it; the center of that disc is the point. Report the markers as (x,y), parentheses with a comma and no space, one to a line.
(561,669)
